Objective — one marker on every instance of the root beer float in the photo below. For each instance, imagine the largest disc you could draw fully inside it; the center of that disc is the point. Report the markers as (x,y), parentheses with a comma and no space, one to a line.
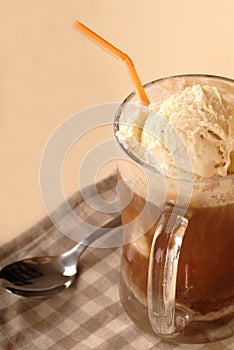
(177,273)
(186,137)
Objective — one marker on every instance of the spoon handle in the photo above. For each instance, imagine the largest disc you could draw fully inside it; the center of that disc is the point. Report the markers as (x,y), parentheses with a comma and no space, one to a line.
(113,223)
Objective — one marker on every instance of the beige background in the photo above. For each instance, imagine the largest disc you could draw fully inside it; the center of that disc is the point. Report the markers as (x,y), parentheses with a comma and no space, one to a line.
(48,72)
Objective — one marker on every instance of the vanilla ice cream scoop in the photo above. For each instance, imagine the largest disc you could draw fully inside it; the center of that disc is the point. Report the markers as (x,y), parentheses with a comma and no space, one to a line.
(195,124)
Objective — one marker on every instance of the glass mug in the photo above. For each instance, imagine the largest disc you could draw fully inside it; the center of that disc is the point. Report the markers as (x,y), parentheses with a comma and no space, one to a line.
(177,266)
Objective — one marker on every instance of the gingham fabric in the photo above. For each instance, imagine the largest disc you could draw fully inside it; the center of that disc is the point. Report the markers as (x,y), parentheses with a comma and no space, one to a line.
(88,315)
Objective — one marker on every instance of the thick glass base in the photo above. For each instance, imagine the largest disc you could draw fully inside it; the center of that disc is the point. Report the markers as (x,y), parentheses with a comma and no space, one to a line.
(195,332)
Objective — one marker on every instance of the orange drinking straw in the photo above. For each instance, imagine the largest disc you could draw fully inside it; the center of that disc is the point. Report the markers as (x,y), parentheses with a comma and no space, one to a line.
(118,54)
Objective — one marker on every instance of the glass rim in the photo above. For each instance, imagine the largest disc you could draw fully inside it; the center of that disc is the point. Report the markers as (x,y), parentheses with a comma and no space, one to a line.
(133,157)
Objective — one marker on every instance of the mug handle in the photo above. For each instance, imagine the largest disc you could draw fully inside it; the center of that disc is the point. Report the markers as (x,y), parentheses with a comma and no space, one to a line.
(166,320)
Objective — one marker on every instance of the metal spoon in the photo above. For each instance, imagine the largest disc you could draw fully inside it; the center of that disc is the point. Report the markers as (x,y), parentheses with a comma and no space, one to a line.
(47,275)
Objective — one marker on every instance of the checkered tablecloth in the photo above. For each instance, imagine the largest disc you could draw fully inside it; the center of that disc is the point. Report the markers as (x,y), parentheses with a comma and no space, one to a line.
(88,315)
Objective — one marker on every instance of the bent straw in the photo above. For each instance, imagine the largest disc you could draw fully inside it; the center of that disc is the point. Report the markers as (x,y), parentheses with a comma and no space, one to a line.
(118,54)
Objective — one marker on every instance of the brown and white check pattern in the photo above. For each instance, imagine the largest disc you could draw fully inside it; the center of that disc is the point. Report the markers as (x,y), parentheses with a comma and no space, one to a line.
(88,315)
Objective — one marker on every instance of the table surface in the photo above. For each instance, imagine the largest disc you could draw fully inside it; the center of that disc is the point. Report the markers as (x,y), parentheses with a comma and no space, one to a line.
(49,72)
